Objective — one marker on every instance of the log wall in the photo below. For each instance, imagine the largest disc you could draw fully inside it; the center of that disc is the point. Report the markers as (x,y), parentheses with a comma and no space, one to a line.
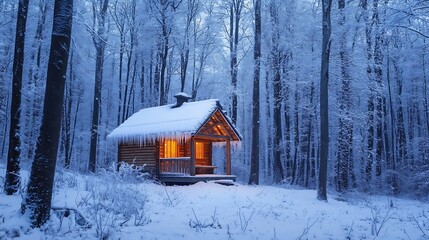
(139,156)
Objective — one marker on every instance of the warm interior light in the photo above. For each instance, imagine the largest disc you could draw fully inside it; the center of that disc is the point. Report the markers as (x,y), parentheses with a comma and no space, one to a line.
(170,149)
(199,150)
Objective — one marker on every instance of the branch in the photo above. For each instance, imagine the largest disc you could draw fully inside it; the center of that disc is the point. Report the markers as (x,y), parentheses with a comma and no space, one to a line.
(414,30)
(420,227)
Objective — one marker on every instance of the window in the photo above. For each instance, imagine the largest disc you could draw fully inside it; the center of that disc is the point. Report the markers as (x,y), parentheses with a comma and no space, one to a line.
(170,149)
(199,150)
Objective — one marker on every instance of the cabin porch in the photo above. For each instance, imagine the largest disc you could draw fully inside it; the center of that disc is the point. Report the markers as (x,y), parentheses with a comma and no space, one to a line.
(178,171)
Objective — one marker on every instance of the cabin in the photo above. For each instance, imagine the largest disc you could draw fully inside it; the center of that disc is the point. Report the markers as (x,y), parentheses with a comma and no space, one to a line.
(174,143)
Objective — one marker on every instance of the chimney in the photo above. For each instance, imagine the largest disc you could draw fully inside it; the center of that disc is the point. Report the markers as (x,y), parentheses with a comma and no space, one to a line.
(180,99)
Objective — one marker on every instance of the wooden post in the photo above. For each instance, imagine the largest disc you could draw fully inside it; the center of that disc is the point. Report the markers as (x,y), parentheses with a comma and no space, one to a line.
(192,165)
(119,157)
(157,158)
(228,157)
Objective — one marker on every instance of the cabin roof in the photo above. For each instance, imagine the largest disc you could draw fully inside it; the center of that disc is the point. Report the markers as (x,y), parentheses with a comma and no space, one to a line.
(150,124)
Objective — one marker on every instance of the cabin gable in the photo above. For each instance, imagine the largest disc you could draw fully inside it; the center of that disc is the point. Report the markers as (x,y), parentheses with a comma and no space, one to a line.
(218,126)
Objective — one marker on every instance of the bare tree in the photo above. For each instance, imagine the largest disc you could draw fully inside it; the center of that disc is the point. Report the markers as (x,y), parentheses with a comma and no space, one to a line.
(32,105)
(39,193)
(119,17)
(204,46)
(254,162)
(184,45)
(277,87)
(236,8)
(99,38)
(162,11)
(324,78)
(344,166)
(12,181)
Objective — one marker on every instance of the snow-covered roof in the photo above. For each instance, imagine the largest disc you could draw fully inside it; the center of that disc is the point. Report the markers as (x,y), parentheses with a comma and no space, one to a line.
(150,124)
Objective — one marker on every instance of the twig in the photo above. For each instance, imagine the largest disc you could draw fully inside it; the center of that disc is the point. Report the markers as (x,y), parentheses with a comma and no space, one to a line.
(169,199)
(376,230)
(307,229)
(420,227)
(244,222)
(349,231)
(121,224)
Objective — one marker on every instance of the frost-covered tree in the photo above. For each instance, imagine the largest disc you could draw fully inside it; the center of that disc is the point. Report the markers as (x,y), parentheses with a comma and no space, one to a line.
(39,193)
(99,38)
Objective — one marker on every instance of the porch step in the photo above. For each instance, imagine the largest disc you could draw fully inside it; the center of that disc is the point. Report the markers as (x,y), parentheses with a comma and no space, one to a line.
(175,179)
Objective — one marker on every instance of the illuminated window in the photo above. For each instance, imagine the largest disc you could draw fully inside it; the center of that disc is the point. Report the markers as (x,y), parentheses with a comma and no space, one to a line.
(199,150)
(170,149)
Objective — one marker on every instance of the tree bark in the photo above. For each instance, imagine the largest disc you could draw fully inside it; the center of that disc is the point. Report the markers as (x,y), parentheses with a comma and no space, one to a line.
(235,17)
(99,40)
(254,162)
(378,76)
(12,181)
(39,193)
(278,174)
(345,138)
(324,78)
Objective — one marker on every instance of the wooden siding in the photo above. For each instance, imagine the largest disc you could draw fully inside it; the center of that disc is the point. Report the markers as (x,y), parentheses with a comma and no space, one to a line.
(139,155)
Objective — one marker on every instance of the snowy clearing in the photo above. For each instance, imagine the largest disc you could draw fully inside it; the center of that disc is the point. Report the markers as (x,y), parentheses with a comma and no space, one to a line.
(123,207)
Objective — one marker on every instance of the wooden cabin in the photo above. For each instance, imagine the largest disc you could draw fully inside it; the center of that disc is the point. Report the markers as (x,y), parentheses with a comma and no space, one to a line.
(174,142)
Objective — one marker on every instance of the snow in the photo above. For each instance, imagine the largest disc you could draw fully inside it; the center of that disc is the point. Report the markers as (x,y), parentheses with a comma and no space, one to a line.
(182,94)
(120,206)
(150,124)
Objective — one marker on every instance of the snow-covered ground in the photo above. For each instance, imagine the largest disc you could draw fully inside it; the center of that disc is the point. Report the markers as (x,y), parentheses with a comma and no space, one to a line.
(121,207)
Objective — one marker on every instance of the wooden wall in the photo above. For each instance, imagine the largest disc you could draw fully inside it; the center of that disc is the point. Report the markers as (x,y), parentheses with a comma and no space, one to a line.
(139,156)
(149,154)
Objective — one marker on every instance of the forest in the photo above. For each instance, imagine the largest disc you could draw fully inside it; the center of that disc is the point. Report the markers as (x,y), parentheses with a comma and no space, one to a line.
(312,85)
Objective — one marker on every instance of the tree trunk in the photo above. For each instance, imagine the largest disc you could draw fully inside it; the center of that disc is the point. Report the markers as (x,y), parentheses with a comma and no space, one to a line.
(33,106)
(163,58)
(254,162)
(12,181)
(425,88)
(345,138)
(235,16)
(378,75)
(324,78)
(371,106)
(39,193)
(392,160)
(278,175)
(121,63)
(100,44)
